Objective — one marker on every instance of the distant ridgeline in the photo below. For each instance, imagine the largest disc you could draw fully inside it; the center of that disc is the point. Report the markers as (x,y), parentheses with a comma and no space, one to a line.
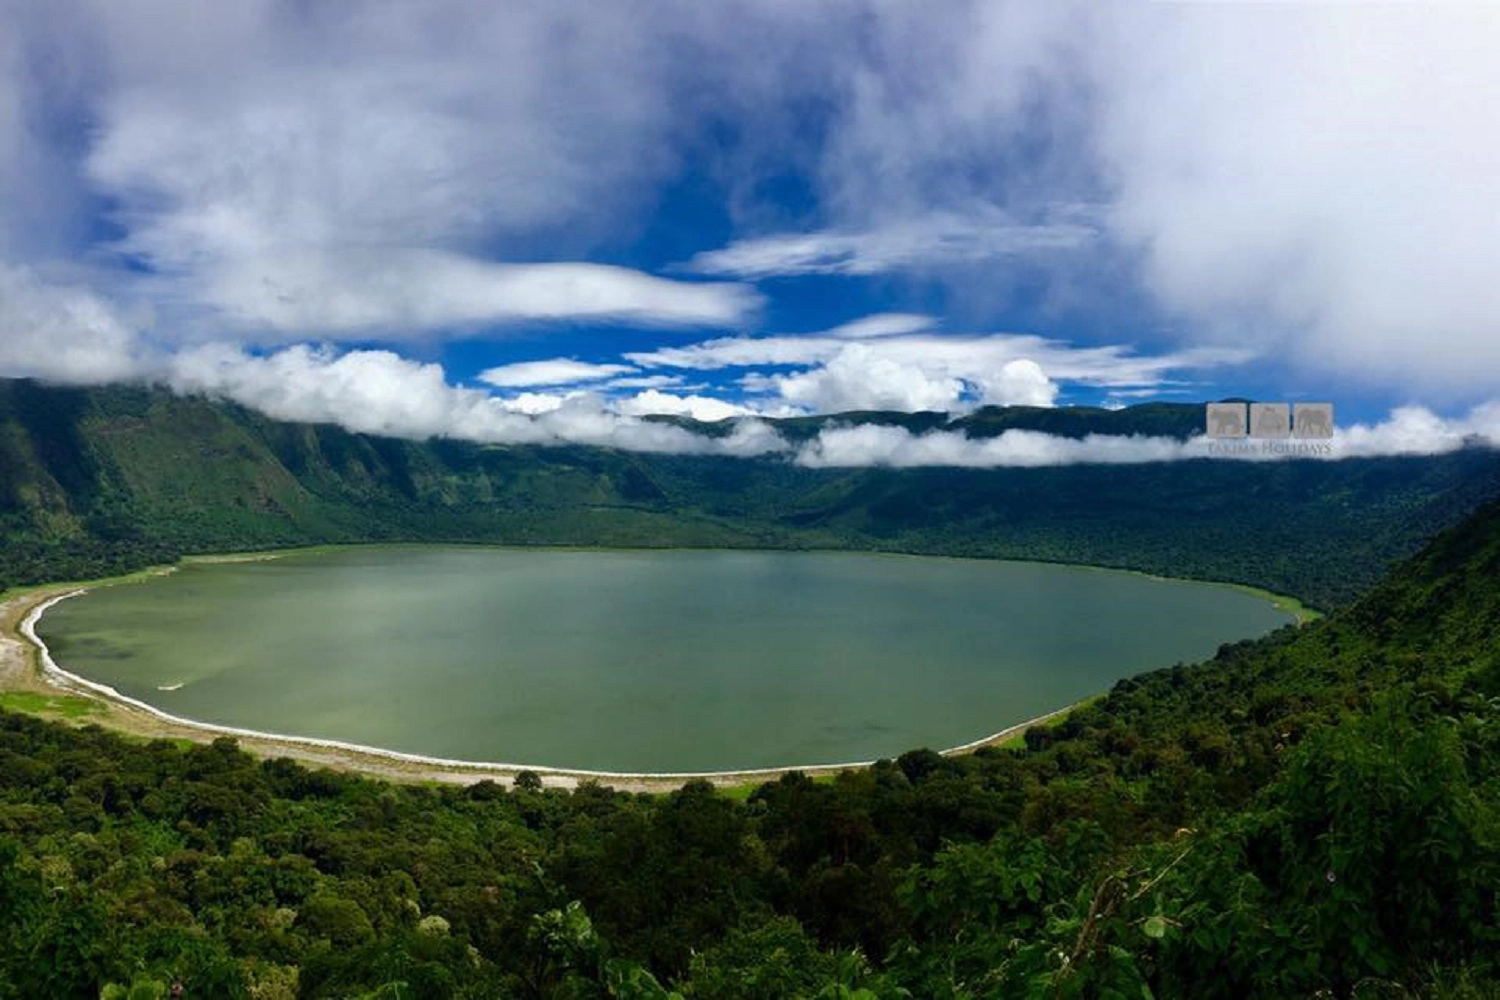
(102,480)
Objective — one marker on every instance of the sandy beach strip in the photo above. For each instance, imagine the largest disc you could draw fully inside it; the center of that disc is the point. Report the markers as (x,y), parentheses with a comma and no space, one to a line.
(26,664)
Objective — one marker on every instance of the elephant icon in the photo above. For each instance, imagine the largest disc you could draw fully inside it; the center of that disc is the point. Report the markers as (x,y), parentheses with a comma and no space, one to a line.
(1314,420)
(1226,420)
(1270,420)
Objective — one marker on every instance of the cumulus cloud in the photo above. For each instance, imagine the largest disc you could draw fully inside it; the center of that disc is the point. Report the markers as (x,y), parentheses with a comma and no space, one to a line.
(893,362)
(859,378)
(704,408)
(375,392)
(1020,383)
(533,403)
(379,392)
(555,371)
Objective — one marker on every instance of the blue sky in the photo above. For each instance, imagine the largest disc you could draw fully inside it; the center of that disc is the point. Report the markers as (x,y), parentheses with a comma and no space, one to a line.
(539,222)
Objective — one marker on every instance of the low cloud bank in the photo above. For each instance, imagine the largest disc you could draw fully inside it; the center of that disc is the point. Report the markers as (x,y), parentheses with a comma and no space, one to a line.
(1415,430)
(380,392)
(1411,430)
(899,448)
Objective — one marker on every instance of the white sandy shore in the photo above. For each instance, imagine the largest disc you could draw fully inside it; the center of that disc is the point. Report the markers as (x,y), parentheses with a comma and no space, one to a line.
(420,766)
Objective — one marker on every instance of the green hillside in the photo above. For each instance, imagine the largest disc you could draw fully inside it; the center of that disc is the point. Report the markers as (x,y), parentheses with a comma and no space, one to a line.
(97,481)
(1316,813)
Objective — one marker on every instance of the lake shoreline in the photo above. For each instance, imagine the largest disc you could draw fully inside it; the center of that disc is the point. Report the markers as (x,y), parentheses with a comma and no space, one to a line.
(32,670)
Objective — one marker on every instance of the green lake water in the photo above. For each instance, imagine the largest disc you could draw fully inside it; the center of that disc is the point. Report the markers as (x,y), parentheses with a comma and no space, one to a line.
(636,661)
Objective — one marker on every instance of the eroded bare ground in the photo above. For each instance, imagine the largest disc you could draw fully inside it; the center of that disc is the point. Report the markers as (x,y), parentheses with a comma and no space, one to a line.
(20,670)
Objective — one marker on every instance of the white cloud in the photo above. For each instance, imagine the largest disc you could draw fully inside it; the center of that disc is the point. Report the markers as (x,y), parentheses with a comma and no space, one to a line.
(1316,181)
(922,370)
(378,392)
(554,371)
(882,325)
(654,401)
(1019,383)
(898,447)
(648,382)
(374,392)
(589,420)
(407,292)
(1415,430)
(62,332)
(1408,431)
(1323,178)
(738,352)
(966,355)
(534,403)
(751,438)
(1118,399)
(928,241)
(374,168)
(859,377)
(865,376)
(1149,393)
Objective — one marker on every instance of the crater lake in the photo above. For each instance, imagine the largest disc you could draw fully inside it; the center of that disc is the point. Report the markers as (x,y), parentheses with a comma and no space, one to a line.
(636,661)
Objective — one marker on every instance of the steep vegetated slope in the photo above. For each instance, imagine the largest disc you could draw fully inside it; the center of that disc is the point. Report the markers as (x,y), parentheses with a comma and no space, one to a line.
(100,480)
(1316,813)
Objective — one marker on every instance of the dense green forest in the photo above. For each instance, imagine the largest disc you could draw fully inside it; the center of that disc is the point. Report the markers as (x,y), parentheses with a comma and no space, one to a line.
(102,480)
(1316,813)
